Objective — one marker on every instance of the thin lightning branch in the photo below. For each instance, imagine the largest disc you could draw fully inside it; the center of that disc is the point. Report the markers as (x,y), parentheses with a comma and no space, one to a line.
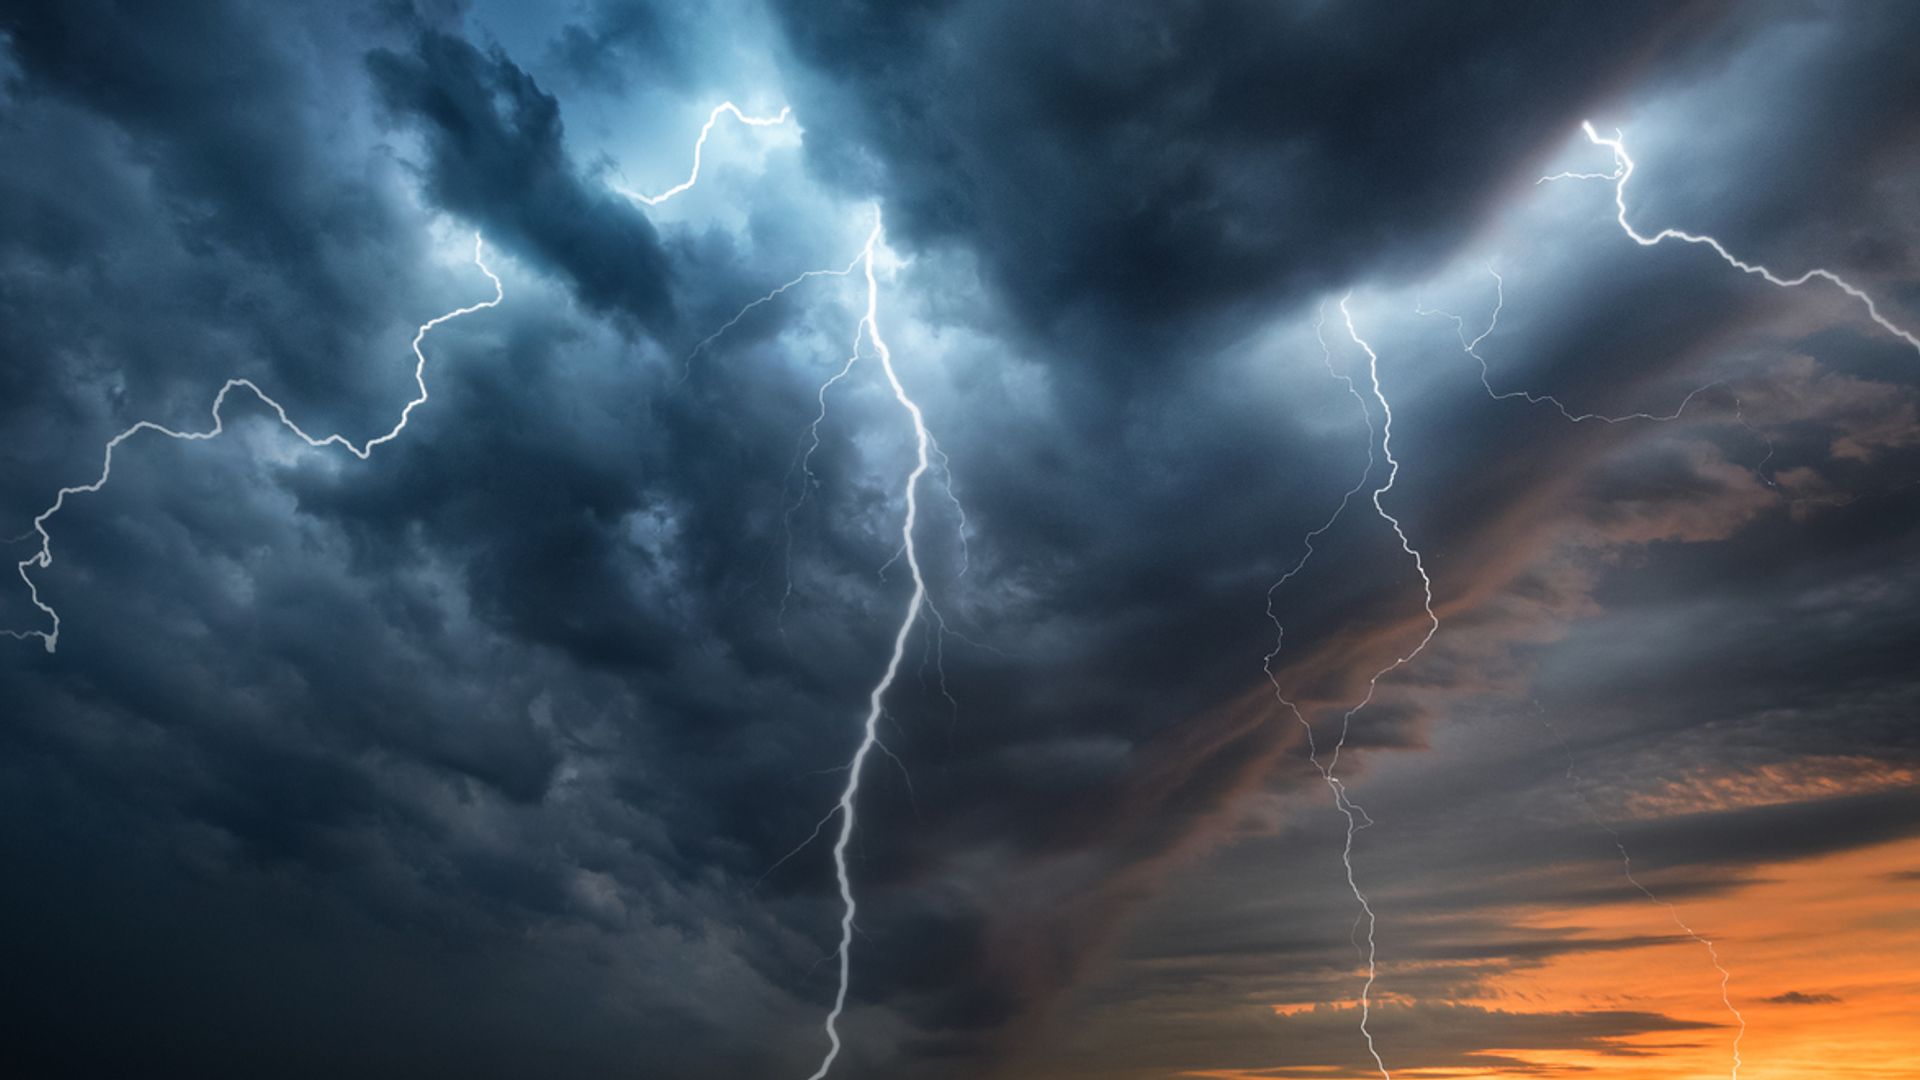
(1713,955)
(1356,815)
(700,144)
(1623,172)
(1472,348)
(1673,911)
(870,323)
(44,557)
(687,369)
(803,461)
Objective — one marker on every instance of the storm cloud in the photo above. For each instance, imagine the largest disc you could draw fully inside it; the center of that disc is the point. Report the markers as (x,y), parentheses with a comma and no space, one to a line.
(506,751)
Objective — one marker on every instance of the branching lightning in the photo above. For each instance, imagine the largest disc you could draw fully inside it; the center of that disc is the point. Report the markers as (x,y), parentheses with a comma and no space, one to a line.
(44,556)
(1356,815)
(700,144)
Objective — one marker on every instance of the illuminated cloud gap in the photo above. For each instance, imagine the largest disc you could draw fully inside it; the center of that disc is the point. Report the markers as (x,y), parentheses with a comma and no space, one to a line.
(44,557)
(1623,172)
(699,145)
(1356,815)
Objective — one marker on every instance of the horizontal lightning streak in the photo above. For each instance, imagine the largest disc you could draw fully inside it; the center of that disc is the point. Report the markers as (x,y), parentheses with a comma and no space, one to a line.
(44,557)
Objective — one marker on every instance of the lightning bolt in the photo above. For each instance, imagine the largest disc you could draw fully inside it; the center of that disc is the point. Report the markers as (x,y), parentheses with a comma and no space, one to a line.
(866,330)
(869,326)
(1623,172)
(700,144)
(43,558)
(867,340)
(1356,815)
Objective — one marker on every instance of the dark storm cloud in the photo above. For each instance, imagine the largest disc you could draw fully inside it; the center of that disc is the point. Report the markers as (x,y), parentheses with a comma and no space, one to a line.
(1127,172)
(497,155)
(1797,997)
(509,723)
(605,51)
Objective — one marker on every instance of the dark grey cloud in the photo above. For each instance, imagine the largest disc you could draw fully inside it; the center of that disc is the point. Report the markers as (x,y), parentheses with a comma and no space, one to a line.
(1131,173)
(497,155)
(1797,997)
(484,755)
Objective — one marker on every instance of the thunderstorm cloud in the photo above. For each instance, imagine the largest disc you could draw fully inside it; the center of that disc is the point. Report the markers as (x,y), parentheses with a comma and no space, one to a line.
(514,749)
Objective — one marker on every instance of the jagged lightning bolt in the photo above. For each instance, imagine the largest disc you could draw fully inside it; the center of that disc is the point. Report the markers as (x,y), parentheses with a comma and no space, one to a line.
(1356,815)
(44,557)
(1713,954)
(867,330)
(870,326)
(1623,172)
(866,333)
(700,144)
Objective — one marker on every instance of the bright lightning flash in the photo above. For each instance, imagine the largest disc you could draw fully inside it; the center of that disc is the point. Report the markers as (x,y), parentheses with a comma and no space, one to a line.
(868,331)
(700,144)
(1355,814)
(870,327)
(867,340)
(44,557)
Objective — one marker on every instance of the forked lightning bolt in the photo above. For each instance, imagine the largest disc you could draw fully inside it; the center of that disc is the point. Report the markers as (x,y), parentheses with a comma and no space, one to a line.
(1356,815)
(44,557)
(1673,912)
(701,346)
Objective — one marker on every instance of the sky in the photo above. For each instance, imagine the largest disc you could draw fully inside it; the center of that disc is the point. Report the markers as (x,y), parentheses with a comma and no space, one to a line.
(1368,610)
